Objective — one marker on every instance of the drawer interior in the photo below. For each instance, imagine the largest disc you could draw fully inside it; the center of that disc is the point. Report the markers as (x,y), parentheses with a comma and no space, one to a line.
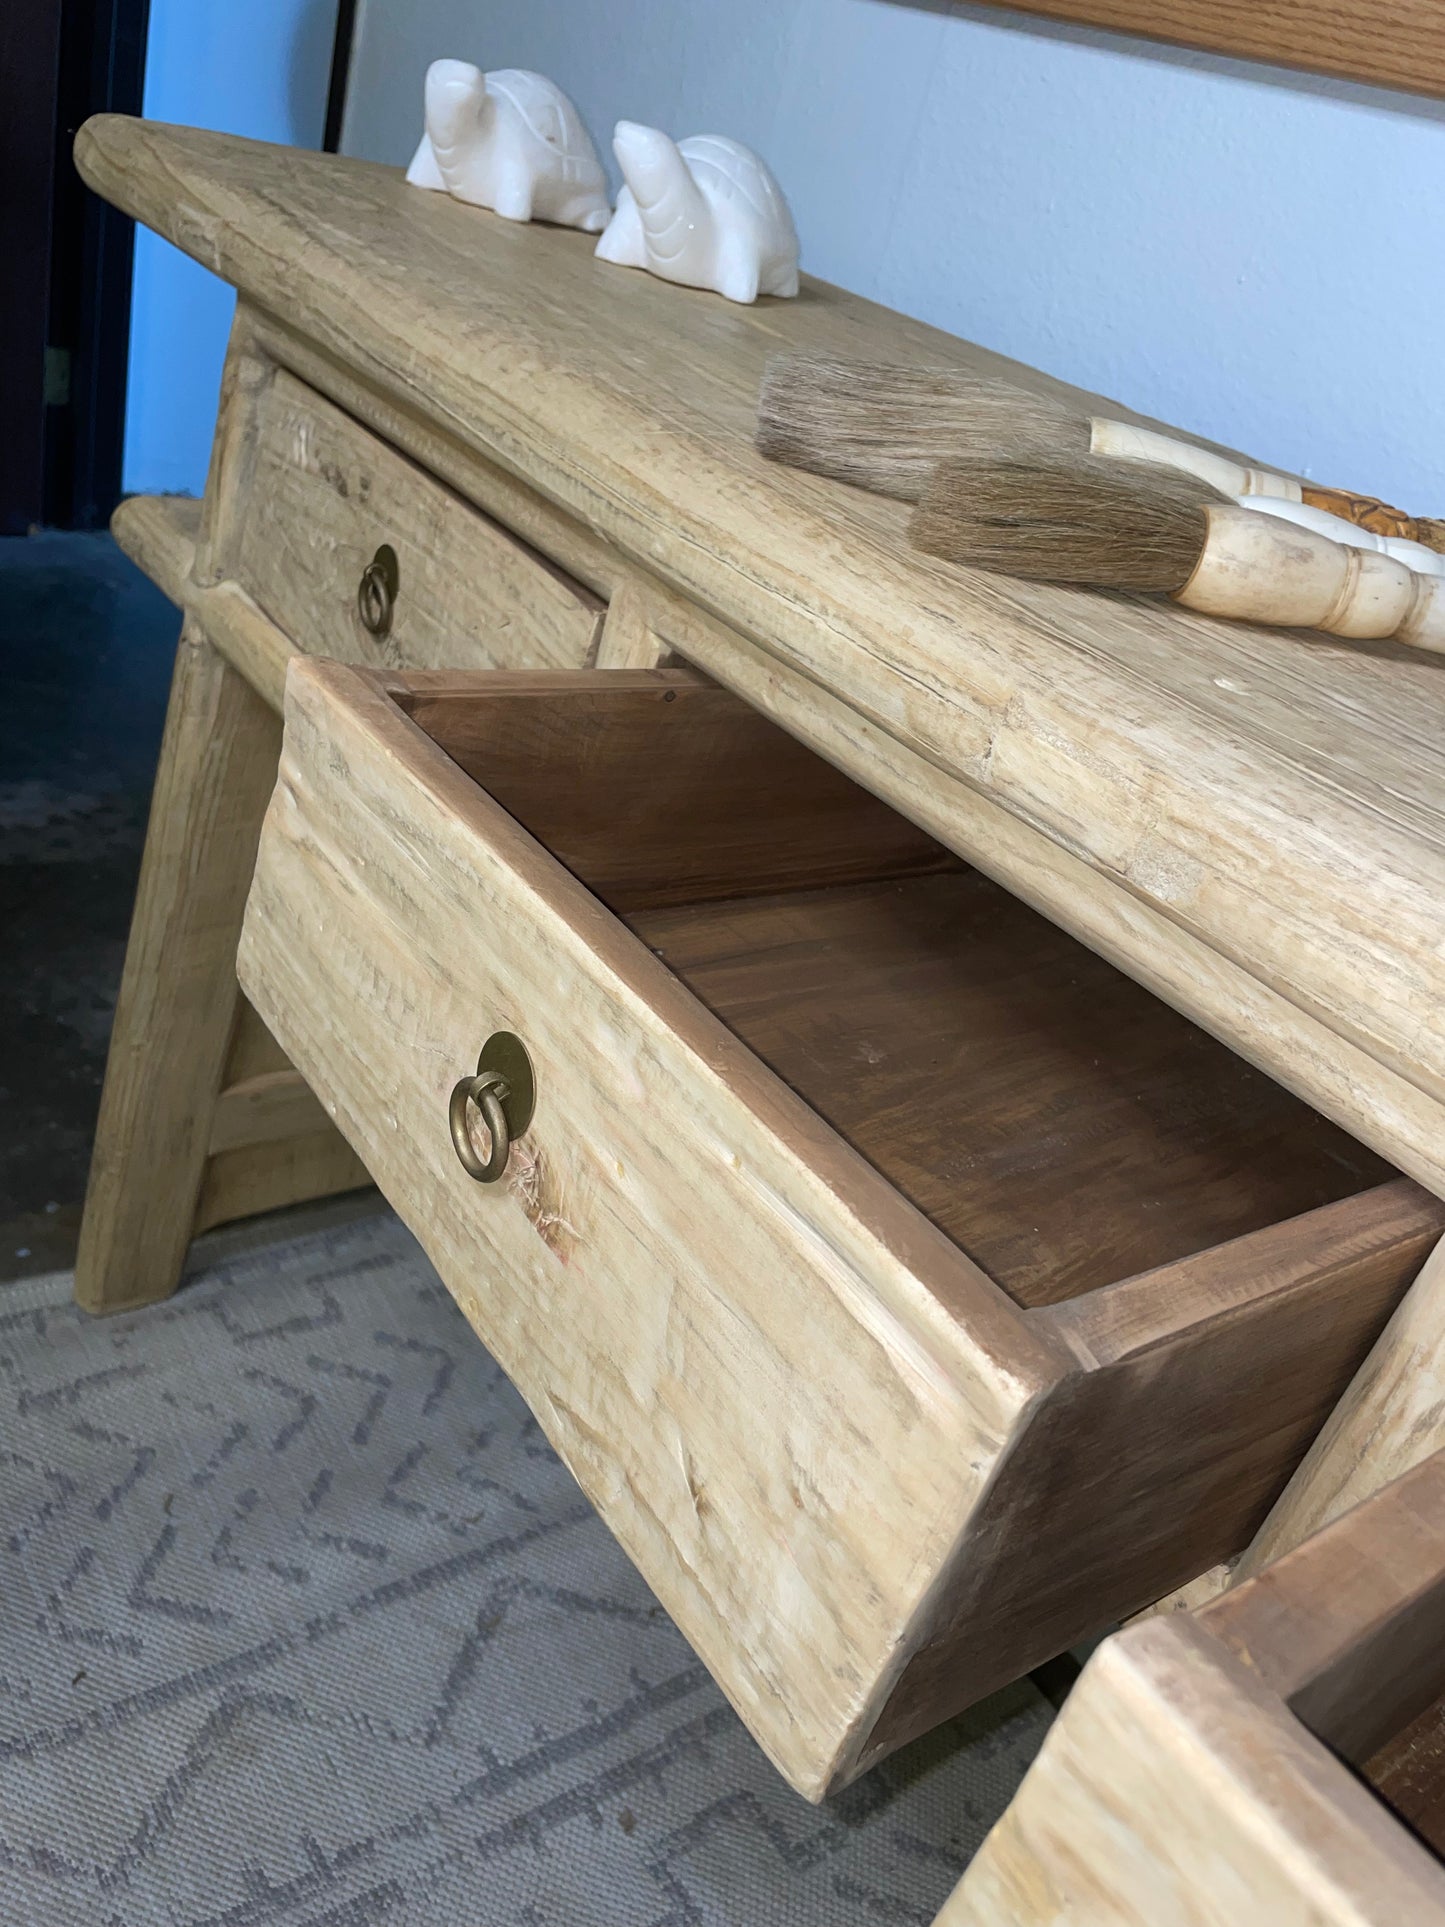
(1408,1773)
(1056,1120)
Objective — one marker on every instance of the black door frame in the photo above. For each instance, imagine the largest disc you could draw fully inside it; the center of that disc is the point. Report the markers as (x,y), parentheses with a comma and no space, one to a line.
(29,64)
(340,75)
(65,297)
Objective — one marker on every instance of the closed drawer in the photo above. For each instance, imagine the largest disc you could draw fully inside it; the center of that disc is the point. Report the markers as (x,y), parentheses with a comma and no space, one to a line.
(324,495)
(911,1292)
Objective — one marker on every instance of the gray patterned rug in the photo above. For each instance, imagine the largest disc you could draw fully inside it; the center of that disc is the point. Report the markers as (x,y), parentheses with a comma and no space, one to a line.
(303,1625)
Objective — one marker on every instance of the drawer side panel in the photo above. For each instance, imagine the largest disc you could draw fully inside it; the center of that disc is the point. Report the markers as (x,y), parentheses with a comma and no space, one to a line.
(783,1425)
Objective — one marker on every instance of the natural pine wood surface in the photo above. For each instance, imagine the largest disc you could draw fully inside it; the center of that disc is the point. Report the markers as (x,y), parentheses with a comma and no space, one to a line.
(724,1312)
(1272,803)
(1071,1163)
(1200,1773)
(322,496)
(1390,1419)
(159,534)
(1391,43)
(177,1001)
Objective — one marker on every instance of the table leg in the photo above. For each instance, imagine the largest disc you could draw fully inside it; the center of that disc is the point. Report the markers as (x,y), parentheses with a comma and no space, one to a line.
(178,993)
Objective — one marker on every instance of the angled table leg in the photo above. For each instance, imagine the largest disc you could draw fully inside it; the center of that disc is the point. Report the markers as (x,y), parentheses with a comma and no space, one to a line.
(178,994)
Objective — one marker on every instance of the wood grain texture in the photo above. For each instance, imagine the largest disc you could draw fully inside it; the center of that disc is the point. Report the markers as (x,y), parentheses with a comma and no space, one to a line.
(252,1178)
(1066,1166)
(657,1139)
(159,533)
(955,1039)
(246,375)
(1408,1773)
(321,496)
(658,787)
(1389,45)
(1204,1384)
(177,1000)
(253,1050)
(1175,1790)
(1346,1626)
(1265,813)
(264,1108)
(1263,1024)
(404,419)
(1392,1417)
(680,1203)
(1197,1774)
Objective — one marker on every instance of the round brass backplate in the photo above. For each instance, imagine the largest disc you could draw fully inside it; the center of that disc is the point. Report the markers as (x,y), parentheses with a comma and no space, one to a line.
(506,1054)
(503,1089)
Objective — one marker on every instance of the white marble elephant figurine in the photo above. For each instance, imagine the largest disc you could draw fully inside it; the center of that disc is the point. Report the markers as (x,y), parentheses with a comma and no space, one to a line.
(704,212)
(511,141)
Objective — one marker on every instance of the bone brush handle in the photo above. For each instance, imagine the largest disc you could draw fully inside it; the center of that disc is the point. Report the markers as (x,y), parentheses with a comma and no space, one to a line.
(1308,515)
(1257,568)
(1126,443)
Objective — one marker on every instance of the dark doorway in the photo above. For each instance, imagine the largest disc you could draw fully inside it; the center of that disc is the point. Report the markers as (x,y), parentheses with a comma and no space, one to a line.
(65,295)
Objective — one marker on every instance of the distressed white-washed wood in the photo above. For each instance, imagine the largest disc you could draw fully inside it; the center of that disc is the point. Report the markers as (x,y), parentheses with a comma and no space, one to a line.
(260,1109)
(402,419)
(1278,805)
(176,1009)
(669,1260)
(246,374)
(1261,1023)
(629,639)
(677,1202)
(1175,1791)
(246,636)
(1391,1418)
(324,495)
(1191,1779)
(159,533)
(1345,1628)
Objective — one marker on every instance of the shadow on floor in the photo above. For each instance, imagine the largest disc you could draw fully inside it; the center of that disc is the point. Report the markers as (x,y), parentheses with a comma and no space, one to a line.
(86,645)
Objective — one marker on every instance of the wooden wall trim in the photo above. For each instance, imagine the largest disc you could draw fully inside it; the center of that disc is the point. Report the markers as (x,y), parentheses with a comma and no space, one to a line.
(1395,44)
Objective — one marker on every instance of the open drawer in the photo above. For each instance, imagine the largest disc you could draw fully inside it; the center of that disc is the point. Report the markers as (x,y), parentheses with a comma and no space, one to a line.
(911,1292)
(1276,1759)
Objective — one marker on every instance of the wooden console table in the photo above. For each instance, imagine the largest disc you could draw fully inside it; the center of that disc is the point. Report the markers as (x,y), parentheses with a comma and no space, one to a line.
(911,1290)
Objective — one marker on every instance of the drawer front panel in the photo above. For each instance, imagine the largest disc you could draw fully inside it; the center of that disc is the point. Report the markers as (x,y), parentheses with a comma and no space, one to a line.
(778,1419)
(867,1485)
(324,495)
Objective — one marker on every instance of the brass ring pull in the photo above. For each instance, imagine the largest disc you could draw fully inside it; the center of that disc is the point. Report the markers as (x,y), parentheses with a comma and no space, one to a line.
(503,1088)
(486,1090)
(377,591)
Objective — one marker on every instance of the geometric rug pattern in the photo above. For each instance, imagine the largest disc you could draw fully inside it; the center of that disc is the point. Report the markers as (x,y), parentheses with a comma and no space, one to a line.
(303,1624)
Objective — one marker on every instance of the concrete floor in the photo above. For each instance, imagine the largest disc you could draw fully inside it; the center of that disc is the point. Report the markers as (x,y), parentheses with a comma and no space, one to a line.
(86,644)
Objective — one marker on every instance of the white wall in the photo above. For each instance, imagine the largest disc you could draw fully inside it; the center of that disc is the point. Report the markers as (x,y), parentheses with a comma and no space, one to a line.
(1249,253)
(257,67)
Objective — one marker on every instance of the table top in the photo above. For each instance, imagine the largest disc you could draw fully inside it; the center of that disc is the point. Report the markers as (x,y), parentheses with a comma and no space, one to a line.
(1249,820)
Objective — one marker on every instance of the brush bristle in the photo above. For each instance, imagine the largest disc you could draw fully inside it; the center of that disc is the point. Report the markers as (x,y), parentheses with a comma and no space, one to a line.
(1085,520)
(885,428)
